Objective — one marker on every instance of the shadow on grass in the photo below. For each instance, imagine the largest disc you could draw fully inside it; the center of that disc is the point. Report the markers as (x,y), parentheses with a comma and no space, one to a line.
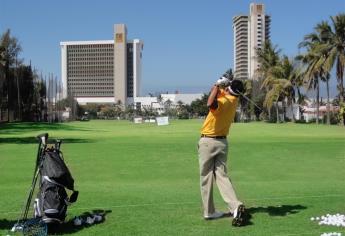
(7,224)
(69,227)
(64,228)
(12,128)
(282,210)
(30,140)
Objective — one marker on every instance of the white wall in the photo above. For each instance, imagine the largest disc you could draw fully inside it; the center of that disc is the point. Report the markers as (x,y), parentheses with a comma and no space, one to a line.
(101,100)
(185,98)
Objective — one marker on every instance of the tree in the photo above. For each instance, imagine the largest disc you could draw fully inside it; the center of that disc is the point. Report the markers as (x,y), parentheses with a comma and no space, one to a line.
(335,37)
(27,95)
(39,94)
(269,59)
(229,74)
(288,72)
(199,106)
(10,48)
(167,104)
(315,59)
(244,104)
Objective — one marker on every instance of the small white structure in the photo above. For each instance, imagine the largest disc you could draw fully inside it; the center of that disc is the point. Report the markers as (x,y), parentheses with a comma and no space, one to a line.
(146,102)
(138,120)
(295,112)
(161,102)
(310,113)
(164,120)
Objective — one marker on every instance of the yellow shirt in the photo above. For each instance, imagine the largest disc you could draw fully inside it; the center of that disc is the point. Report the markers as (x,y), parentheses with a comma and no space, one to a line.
(218,121)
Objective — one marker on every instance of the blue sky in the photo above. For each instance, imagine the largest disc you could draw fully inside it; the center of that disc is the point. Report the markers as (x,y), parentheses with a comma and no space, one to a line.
(188,43)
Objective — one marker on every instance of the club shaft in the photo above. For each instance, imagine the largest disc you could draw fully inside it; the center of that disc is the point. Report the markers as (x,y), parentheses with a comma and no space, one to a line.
(249,100)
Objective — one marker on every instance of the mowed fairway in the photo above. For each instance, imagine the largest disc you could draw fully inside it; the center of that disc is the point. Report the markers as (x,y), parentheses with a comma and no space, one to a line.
(148,176)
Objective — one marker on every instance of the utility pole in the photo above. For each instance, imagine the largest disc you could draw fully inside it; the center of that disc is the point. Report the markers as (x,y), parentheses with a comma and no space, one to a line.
(18,90)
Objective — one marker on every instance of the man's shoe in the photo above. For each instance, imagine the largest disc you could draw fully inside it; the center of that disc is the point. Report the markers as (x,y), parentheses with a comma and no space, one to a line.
(213,216)
(239,216)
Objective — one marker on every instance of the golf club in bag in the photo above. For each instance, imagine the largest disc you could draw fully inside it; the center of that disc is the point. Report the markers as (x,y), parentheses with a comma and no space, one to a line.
(50,206)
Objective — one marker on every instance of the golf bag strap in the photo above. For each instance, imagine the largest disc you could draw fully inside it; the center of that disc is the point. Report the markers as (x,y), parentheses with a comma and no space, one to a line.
(71,199)
(52,181)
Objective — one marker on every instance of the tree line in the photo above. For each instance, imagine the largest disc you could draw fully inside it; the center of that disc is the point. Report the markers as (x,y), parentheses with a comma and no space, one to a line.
(22,92)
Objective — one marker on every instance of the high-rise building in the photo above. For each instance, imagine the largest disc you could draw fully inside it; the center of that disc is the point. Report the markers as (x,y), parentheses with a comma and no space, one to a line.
(250,33)
(105,71)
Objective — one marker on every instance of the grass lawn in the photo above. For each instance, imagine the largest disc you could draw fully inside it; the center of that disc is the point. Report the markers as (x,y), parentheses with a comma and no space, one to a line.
(147,177)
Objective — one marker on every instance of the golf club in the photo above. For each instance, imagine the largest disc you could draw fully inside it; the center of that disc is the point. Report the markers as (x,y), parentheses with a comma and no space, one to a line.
(249,100)
(236,86)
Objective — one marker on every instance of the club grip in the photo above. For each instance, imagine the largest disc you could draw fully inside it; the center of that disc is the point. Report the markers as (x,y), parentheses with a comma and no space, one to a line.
(42,137)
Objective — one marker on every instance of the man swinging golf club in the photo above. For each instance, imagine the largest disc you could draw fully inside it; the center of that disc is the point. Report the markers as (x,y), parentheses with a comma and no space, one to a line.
(213,150)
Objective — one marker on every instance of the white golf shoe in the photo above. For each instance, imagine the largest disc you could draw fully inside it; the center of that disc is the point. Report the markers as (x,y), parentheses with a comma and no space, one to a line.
(90,220)
(213,216)
(77,221)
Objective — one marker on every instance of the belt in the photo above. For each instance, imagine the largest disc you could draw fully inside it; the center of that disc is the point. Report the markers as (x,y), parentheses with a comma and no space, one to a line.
(216,137)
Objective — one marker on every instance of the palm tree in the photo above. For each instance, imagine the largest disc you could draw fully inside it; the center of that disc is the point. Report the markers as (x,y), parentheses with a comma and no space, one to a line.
(318,51)
(335,35)
(289,73)
(280,85)
(311,73)
(325,77)
(229,74)
(268,58)
(323,30)
(297,83)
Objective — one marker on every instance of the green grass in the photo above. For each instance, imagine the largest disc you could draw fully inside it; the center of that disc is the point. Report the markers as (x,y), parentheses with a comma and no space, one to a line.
(147,176)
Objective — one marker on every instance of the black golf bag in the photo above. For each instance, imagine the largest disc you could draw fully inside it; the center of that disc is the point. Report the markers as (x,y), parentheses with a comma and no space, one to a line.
(52,199)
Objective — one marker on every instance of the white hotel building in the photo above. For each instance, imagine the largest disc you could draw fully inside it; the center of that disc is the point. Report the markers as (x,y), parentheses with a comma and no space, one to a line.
(250,32)
(105,71)
(108,71)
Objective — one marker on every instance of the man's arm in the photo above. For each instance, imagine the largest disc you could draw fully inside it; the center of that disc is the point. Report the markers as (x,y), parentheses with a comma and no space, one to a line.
(212,102)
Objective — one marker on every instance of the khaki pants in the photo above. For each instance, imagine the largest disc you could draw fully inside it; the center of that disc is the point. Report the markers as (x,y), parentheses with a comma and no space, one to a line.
(212,162)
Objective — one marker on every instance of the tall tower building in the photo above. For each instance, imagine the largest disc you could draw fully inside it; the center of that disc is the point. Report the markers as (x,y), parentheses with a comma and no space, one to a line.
(250,33)
(103,71)
(241,46)
(120,63)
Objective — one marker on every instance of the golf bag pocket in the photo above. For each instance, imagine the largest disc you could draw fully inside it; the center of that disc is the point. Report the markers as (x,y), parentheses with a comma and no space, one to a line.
(52,201)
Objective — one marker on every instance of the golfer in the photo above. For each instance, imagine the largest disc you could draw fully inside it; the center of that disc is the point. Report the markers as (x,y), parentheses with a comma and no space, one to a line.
(213,150)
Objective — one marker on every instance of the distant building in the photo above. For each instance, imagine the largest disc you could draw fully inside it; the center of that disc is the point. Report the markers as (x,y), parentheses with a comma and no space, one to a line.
(104,71)
(159,103)
(250,33)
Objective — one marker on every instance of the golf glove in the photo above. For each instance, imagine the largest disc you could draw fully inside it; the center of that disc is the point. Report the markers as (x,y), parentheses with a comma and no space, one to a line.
(223,82)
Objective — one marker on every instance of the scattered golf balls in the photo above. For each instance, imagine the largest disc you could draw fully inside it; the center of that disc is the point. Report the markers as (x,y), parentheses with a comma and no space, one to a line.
(331,234)
(333,220)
